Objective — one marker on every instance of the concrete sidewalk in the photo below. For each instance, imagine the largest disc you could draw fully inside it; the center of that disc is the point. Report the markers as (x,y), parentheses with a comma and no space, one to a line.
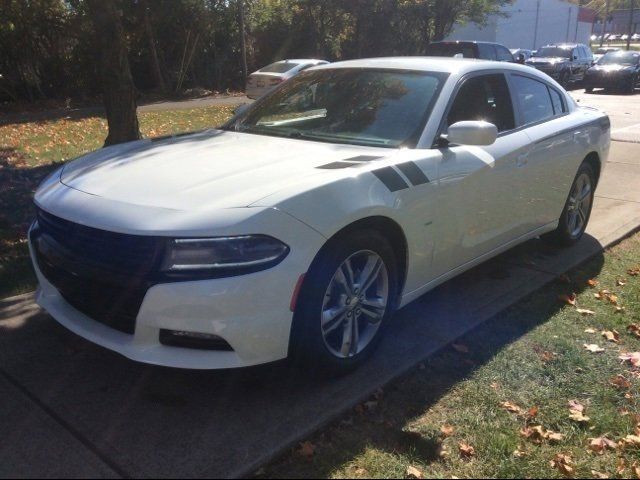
(70,408)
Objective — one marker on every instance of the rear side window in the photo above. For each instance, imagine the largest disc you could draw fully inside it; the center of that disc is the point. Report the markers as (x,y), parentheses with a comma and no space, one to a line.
(279,67)
(451,49)
(485,97)
(487,52)
(504,55)
(533,99)
(557,101)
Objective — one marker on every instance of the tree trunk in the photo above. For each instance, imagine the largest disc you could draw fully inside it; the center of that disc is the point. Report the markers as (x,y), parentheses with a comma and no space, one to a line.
(157,73)
(118,90)
(243,45)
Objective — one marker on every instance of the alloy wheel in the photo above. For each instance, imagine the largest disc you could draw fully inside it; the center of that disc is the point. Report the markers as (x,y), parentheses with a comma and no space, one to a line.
(579,205)
(354,304)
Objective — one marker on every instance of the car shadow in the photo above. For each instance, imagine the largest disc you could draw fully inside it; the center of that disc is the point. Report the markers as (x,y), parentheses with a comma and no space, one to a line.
(162,421)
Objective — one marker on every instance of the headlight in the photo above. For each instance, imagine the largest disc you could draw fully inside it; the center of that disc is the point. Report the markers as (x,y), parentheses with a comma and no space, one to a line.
(244,254)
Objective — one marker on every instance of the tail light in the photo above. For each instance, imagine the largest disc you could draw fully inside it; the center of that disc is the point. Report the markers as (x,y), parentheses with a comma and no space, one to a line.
(275,81)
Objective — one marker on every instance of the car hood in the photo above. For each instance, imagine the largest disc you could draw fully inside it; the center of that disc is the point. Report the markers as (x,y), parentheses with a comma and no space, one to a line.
(546,60)
(609,68)
(210,169)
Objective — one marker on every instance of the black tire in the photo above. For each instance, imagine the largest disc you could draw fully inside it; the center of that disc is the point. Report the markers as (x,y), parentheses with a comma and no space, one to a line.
(631,87)
(563,235)
(307,347)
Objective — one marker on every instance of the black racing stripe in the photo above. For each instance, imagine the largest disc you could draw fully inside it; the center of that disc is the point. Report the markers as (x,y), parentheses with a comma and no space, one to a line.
(413,173)
(361,158)
(391,179)
(338,165)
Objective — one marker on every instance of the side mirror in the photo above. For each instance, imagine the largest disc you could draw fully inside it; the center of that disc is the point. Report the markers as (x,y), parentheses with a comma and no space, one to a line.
(575,57)
(241,108)
(520,58)
(472,133)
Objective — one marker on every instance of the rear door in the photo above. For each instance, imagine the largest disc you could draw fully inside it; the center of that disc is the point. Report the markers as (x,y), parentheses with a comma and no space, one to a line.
(480,199)
(547,170)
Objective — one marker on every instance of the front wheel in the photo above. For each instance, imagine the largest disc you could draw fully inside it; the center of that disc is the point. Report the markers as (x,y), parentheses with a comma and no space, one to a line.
(577,210)
(347,296)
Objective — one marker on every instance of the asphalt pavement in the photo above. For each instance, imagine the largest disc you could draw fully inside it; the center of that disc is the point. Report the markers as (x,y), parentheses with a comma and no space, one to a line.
(70,408)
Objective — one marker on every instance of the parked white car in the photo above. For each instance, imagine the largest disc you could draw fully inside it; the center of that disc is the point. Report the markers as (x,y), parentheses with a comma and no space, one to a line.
(266,79)
(300,226)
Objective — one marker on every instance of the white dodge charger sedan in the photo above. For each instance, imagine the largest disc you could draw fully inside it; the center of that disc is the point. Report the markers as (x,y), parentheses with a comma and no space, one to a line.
(301,225)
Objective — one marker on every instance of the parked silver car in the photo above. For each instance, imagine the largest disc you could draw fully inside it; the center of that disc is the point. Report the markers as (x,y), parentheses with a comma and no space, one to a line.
(269,77)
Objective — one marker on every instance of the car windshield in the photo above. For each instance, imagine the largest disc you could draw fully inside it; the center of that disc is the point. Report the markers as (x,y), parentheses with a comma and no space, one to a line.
(554,52)
(279,67)
(383,108)
(450,49)
(620,58)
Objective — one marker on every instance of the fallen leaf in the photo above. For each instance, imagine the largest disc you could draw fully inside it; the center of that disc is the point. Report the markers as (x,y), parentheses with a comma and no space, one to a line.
(611,335)
(519,453)
(458,347)
(630,440)
(563,463)
(546,357)
(584,311)
(576,406)
(590,330)
(621,466)
(619,381)
(537,434)
(597,474)
(554,436)
(413,472)
(443,451)
(447,430)
(600,444)
(592,283)
(307,449)
(512,407)
(579,417)
(593,348)
(632,358)
(620,283)
(466,451)
(635,468)
(568,299)
(634,329)
(495,385)
(533,412)
(634,272)
(619,309)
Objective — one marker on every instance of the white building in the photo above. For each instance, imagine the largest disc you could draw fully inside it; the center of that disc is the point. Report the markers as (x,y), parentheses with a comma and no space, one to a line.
(531,24)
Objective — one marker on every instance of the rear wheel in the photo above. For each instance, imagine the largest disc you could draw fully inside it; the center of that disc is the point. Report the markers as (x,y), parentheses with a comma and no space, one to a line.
(347,296)
(577,210)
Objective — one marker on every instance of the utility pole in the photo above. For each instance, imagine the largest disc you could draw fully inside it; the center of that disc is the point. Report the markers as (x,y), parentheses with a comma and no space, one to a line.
(604,22)
(243,44)
(630,32)
(568,24)
(535,31)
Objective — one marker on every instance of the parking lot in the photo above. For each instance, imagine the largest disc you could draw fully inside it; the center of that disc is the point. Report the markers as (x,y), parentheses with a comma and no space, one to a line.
(73,409)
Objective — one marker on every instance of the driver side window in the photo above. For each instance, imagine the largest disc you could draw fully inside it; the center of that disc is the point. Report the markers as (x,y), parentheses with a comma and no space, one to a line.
(485,97)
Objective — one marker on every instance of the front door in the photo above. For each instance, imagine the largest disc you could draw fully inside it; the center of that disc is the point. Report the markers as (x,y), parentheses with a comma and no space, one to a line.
(480,195)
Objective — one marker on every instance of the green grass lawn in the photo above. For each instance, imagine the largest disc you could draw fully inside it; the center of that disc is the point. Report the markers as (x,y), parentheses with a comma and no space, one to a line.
(31,149)
(448,417)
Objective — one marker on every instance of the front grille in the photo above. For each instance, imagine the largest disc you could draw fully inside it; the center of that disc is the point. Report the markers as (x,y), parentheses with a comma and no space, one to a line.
(104,275)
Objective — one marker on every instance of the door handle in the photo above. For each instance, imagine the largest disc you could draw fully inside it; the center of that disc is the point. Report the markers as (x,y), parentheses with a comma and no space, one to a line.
(522,159)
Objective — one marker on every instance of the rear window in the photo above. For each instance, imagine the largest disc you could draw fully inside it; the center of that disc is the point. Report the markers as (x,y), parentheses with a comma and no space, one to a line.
(451,49)
(279,67)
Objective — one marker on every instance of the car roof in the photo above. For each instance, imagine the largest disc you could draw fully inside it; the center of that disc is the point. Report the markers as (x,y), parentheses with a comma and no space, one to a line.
(429,64)
(466,41)
(300,60)
(564,45)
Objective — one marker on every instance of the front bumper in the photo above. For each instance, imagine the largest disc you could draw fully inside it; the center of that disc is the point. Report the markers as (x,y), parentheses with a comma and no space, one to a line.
(251,312)
(609,80)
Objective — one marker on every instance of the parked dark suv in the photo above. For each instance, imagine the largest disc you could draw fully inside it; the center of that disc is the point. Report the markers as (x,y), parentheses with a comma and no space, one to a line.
(470,49)
(566,63)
